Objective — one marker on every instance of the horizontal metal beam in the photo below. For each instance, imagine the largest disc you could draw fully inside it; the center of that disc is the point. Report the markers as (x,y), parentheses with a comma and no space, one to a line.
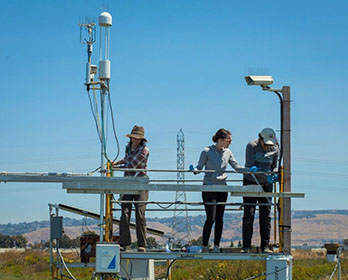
(192,256)
(77,183)
(250,191)
(187,180)
(269,194)
(185,171)
(180,210)
(53,177)
(98,191)
(114,187)
(183,256)
(96,216)
(187,203)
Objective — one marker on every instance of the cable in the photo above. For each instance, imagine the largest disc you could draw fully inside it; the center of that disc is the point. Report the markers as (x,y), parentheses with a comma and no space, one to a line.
(94,117)
(69,258)
(100,130)
(281,130)
(113,126)
(61,257)
(95,170)
(164,207)
(84,225)
(96,111)
(281,127)
(265,274)
(168,269)
(334,271)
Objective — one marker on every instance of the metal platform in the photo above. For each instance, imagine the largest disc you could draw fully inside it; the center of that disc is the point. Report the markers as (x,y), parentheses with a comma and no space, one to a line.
(184,256)
(77,183)
(278,266)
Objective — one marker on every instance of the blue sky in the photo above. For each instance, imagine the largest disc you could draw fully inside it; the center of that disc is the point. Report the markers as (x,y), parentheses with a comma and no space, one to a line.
(175,64)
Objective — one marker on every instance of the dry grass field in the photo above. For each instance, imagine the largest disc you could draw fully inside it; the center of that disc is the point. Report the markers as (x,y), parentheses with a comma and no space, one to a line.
(308,265)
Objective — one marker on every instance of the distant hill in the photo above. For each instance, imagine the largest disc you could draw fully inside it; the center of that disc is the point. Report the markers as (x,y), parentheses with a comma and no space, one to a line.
(21,228)
(313,227)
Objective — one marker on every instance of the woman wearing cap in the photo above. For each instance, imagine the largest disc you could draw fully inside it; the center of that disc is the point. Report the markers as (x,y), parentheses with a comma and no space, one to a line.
(216,157)
(262,153)
(136,157)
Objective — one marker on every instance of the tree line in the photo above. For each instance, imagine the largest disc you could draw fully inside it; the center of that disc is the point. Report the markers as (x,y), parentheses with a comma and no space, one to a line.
(16,241)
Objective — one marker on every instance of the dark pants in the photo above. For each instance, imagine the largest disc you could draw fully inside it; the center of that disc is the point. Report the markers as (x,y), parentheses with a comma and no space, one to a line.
(264,217)
(215,214)
(125,237)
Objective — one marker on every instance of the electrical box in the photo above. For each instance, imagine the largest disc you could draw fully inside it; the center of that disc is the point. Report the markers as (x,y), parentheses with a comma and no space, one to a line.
(331,258)
(279,267)
(56,227)
(108,258)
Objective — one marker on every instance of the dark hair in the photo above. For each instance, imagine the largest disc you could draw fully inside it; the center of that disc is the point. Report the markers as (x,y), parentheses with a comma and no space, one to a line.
(221,134)
(141,142)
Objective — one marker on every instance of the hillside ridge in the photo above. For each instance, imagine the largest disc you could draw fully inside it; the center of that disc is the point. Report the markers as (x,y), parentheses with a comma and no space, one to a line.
(312,227)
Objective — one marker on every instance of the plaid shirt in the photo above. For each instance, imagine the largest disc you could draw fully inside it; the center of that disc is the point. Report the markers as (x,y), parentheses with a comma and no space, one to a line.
(136,159)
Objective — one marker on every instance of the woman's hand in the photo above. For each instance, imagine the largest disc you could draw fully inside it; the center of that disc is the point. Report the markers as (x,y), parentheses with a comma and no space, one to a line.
(193,169)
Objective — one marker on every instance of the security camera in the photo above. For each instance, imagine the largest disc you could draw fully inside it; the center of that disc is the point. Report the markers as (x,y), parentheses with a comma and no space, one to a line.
(259,80)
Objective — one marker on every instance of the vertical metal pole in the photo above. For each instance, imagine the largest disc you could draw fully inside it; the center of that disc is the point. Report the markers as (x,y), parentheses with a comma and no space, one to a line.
(108,210)
(281,211)
(58,263)
(101,231)
(51,248)
(170,270)
(339,263)
(103,93)
(102,159)
(287,168)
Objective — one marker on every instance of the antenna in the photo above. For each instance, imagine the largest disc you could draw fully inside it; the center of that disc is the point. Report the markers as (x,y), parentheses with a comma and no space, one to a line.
(91,69)
(102,84)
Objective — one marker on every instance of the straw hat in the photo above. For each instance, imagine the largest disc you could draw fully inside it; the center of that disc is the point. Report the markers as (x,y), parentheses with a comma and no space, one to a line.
(137,133)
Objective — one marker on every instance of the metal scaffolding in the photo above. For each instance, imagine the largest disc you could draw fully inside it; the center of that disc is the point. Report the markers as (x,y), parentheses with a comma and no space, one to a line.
(181,229)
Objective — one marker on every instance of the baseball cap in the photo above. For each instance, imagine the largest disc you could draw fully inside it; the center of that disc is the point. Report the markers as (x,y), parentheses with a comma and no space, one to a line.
(269,137)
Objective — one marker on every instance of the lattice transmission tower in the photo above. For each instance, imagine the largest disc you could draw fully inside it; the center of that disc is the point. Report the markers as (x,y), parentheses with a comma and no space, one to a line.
(181,225)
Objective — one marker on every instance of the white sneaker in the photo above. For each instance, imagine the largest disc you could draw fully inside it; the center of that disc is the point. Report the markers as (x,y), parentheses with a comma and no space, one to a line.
(205,249)
(216,249)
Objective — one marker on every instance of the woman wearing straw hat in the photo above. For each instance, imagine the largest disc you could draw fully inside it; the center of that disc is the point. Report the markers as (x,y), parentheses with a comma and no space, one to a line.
(136,156)
(216,157)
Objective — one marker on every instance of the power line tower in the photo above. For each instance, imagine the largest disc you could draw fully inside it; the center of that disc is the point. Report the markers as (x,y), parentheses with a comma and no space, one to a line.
(181,226)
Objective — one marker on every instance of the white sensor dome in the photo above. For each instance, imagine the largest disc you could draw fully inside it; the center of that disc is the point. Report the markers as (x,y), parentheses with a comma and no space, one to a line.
(105,19)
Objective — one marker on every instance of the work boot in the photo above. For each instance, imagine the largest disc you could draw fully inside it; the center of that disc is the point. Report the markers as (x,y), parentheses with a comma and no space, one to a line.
(266,250)
(141,249)
(124,248)
(216,249)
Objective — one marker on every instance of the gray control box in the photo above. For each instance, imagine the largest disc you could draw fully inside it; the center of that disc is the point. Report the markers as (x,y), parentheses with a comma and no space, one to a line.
(56,227)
